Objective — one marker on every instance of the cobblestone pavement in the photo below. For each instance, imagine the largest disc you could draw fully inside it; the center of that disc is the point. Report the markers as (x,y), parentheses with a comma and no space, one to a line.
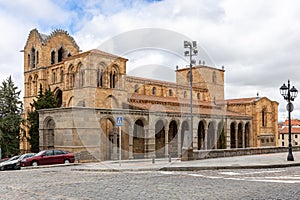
(67,183)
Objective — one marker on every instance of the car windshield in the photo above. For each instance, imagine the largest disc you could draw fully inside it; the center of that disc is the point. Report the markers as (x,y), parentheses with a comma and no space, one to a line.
(26,156)
(39,153)
(14,158)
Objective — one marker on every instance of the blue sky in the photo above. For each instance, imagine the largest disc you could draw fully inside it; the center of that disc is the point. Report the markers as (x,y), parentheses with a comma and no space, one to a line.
(257,41)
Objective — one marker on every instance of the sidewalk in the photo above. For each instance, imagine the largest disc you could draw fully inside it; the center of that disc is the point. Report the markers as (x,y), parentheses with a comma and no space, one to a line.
(277,160)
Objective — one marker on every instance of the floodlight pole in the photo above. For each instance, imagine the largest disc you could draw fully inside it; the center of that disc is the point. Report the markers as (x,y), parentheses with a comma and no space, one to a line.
(192,51)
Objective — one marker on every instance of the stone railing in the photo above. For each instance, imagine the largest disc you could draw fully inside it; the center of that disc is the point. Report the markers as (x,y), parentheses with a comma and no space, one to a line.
(217,153)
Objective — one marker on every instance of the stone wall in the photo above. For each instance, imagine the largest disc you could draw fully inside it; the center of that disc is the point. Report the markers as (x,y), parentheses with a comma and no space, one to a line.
(205,154)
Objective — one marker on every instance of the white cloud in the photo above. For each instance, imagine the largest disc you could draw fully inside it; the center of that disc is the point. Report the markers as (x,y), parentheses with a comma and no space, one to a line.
(257,41)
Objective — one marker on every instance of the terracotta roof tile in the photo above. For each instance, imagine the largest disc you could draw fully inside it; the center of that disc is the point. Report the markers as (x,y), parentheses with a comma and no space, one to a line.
(285,130)
(175,105)
(242,100)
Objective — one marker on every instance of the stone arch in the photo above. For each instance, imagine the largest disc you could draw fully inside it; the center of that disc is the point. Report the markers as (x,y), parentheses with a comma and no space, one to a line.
(35,84)
(201,134)
(111,102)
(49,133)
(113,76)
(139,139)
(60,54)
(70,102)
(71,76)
(29,86)
(53,57)
(221,142)
(58,96)
(32,58)
(100,74)
(211,135)
(108,138)
(173,138)
(160,139)
(81,75)
(184,130)
(240,135)
(247,134)
(232,135)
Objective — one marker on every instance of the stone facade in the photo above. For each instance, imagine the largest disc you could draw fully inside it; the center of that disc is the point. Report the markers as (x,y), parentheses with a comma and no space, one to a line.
(93,89)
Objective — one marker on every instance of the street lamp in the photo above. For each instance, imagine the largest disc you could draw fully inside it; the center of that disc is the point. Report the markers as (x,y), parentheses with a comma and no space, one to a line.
(191,51)
(289,94)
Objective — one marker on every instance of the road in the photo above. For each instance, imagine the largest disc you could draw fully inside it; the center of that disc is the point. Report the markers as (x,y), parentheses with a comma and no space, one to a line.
(68,183)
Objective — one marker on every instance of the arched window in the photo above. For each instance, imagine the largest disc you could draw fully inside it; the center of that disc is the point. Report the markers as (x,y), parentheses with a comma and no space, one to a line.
(35,84)
(112,80)
(170,92)
(29,86)
(32,56)
(136,88)
(52,57)
(60,54)
(28,61)
(198,95)
(214,77)
(81,78)
(37,57)
(99,78)
(153,90)
(71,76)
(263,117)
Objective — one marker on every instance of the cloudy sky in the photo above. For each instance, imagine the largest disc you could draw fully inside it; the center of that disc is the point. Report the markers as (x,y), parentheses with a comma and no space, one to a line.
(257,41)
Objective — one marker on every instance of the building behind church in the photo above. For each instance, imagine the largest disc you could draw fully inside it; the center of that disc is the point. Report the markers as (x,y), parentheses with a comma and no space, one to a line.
(93,89)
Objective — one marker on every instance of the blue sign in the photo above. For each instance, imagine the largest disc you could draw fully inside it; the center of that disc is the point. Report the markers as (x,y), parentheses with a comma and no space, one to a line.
(119,121)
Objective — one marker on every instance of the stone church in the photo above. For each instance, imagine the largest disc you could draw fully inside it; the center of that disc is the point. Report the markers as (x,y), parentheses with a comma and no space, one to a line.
(93,90)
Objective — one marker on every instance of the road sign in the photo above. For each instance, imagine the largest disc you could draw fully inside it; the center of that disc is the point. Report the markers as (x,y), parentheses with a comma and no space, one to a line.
(119,121)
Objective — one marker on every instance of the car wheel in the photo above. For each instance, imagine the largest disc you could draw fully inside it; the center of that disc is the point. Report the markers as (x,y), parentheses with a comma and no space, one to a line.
(1,168)
(34,163)
(67,161)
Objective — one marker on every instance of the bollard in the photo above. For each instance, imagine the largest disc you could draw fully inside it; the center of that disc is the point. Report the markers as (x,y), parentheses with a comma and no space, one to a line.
(153,160)
(170,159)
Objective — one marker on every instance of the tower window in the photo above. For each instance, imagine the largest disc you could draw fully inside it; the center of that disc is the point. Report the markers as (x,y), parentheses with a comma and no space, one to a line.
(60,55)
(52,57)
(153,90)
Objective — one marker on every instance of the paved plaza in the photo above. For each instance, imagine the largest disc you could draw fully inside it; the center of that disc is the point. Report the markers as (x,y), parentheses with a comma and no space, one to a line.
(146,180)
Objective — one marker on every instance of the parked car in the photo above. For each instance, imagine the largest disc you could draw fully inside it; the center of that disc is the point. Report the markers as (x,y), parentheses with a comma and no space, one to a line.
(14,162)
(49,157)
(3,159)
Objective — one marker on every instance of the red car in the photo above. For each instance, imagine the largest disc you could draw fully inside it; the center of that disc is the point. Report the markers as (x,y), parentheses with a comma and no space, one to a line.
(49,157)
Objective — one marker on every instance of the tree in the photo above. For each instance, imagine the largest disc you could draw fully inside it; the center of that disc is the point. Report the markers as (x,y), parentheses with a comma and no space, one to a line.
(43,101)
(10,117)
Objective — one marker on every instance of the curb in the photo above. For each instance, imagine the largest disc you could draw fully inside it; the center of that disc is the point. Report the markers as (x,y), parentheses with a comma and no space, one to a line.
(191,168)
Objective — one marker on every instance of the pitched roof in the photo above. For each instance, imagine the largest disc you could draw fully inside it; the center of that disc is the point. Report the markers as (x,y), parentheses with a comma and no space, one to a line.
(242,100)
(285,130)
(176,105)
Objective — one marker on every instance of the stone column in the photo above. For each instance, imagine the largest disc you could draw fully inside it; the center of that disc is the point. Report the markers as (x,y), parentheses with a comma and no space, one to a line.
(150,143)
(236,137)
(205,138)
(130,148)
(115,145)
(166,142)
(243,137)
(179,142)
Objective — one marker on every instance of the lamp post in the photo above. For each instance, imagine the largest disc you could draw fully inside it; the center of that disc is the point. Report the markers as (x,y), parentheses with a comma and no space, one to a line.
(289,94)
(191,51)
